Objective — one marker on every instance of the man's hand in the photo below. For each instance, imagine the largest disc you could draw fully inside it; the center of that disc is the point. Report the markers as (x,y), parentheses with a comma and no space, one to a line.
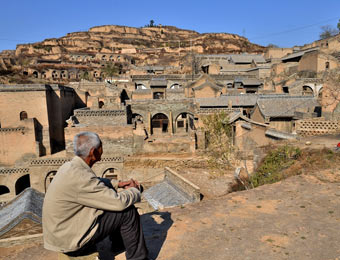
(128,184)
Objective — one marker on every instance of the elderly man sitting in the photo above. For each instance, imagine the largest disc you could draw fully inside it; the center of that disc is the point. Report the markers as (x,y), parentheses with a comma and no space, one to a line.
(79,210)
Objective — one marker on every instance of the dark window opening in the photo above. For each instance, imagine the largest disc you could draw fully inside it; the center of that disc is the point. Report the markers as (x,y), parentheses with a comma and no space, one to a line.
(23,115)
(22,183)
(158,95)
(327,65)
(3,189)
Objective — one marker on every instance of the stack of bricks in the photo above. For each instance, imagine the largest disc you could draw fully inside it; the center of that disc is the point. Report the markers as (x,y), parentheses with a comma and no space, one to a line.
(311,127)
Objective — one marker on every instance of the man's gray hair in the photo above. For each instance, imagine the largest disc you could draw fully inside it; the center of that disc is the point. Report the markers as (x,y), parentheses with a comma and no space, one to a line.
(84,142)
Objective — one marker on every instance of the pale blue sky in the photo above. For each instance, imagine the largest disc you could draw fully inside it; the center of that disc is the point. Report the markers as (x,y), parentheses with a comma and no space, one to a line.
(284,23)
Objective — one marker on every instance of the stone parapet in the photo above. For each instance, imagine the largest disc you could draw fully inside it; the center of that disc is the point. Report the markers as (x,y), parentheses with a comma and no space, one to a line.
(50,162)
(15,129)
(316,127)
(184,185)
(98,113)
(13,170)
(61,161)
(215,110)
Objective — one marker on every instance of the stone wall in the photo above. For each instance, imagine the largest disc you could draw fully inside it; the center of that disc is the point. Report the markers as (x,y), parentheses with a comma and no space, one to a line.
(117,140)
(320,126)
(39,172)
(101,117)
(18,142)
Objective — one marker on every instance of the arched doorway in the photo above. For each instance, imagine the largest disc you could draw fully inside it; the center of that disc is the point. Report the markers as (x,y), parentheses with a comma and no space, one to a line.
(4,189)
(22,183)
(48,179)
(23,115)
(159,123)
(184,122)
(307,91)
(110,173)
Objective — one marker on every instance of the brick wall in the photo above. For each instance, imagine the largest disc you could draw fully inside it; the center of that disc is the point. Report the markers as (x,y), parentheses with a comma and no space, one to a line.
(316,127)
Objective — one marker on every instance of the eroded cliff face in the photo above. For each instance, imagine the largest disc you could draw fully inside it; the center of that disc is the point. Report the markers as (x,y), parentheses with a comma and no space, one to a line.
(112,38)
(127,47)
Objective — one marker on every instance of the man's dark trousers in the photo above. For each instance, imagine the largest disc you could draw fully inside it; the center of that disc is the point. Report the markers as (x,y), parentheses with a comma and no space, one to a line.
(120,226)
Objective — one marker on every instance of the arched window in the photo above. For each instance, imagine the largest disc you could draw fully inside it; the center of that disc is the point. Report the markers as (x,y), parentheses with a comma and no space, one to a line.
(327,65)
(3,189)
(140,86)
(22,183)
(307,91)
(100,104)
(175,86)
(110,173)
(48,179)
(23,115)
(35,74)
(230,85)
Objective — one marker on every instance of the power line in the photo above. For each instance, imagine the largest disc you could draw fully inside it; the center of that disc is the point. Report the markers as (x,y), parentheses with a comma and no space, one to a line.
(293,30)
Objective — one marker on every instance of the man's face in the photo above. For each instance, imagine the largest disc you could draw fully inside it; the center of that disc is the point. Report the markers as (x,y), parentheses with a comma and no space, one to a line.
(98,153)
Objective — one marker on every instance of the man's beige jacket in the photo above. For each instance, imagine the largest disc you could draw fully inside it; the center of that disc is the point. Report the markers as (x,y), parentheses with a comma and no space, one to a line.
(74,200)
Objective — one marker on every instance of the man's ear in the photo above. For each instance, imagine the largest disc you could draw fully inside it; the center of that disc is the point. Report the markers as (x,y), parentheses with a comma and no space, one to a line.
(92,153)
(96,154)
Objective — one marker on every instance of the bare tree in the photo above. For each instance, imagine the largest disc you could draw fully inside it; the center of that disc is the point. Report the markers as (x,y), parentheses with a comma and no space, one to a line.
(327,31)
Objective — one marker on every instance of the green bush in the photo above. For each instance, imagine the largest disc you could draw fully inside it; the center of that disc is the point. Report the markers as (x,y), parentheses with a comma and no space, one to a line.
(271,169)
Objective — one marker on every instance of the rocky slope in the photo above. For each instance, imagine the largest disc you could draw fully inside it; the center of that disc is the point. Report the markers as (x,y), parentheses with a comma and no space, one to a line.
(128,48)
(120,39)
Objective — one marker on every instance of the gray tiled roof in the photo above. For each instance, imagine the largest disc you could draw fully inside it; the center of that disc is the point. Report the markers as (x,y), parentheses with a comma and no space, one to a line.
(284,106)
(247,58)
(208,84)
(27,205)
(246,81)
(223,101)
(280,135)
(298,54)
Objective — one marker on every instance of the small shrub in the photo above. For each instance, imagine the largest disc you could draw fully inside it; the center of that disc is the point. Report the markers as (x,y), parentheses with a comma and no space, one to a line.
(271,169)
(218,139)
